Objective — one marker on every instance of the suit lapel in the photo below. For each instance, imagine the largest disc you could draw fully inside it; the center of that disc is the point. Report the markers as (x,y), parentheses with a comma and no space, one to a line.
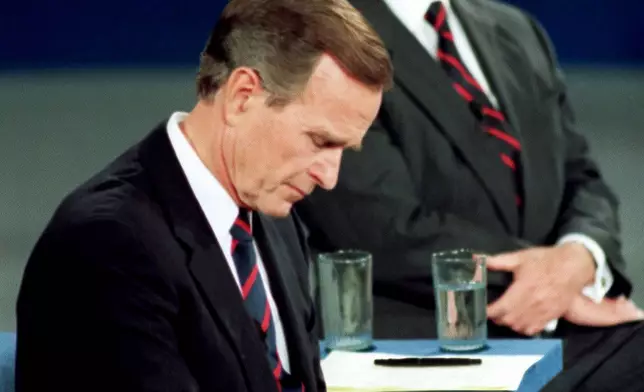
(503,62)
(278,262)
(421,77)
(209,269)
(207,263)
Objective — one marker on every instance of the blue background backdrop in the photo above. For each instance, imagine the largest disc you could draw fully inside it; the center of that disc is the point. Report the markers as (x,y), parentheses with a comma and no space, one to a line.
(73,33)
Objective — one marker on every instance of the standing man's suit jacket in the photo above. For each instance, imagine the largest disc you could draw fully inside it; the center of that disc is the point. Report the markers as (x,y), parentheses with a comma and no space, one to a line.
(428,177)
(128,290)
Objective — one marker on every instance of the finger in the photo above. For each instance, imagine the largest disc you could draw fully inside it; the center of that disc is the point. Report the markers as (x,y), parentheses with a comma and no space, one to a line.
(630,311)
(539,323)
(535,329)
(527,311)
(504,262)
(452,313)
(508,305)
(515,319)
(497,309)
(525,323)
(531,320)
(478,274)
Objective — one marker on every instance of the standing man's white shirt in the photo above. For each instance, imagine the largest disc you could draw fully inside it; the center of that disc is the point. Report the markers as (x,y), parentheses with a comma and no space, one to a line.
(412,15)
(221,212)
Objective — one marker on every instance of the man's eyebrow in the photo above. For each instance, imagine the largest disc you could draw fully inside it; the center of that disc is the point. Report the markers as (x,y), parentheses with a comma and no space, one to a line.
(335,140)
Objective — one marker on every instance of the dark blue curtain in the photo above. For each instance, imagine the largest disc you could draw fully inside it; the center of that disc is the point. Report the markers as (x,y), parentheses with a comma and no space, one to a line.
(592,31)
(133,33)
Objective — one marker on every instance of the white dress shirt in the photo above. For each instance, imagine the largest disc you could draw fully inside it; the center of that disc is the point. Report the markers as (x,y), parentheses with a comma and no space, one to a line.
(220,211)
(412,15)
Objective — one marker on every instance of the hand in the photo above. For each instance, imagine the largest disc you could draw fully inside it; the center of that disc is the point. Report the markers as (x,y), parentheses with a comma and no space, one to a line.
(608,312)
(546,281)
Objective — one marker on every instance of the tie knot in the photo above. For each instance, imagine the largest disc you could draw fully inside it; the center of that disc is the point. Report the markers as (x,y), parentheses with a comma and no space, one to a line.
(241,228)
(436,15)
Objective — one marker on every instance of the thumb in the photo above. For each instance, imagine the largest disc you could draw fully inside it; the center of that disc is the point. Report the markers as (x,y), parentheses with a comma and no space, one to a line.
(503,262)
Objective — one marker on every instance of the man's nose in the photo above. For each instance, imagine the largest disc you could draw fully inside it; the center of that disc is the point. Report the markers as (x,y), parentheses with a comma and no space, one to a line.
(326,170)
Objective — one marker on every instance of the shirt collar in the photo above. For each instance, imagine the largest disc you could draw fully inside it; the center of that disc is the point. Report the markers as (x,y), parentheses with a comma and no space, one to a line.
(412,12)
(218,206)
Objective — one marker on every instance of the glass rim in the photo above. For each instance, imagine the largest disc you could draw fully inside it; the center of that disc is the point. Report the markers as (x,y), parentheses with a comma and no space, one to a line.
(459,255)
(345,256)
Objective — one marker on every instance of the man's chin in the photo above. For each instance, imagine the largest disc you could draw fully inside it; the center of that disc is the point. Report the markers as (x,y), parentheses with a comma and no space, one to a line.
(280,210)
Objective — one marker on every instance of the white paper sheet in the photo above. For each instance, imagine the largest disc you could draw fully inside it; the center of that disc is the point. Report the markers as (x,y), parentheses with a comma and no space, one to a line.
(350,371)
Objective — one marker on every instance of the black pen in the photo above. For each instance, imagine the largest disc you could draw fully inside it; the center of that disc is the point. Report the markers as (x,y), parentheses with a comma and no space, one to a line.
(428,362)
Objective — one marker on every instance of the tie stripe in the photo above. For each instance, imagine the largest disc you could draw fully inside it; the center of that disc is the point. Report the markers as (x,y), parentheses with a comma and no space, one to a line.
(255,298)
(243,225)
(277,372)
(454,62)
(248,284)
(463,92)
(493,113)
(450,60)
(508,161)
(440,18)
(267,317)
(505,137)
(493,122)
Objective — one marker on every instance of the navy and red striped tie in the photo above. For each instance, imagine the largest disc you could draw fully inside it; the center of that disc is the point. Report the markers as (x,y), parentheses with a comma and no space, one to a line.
(492,121)
(255,298)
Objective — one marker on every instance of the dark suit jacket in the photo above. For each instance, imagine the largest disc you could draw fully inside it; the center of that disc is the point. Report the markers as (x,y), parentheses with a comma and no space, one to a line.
(428,178)
(128,290)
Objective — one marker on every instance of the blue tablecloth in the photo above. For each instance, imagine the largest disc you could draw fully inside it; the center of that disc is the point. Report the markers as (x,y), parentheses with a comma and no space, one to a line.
(535,378)
(7,361)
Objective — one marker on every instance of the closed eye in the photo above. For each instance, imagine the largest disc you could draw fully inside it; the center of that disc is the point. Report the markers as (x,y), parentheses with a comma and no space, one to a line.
(322,142)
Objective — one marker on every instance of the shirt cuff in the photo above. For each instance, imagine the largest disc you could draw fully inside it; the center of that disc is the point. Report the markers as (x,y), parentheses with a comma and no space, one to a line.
(603,276)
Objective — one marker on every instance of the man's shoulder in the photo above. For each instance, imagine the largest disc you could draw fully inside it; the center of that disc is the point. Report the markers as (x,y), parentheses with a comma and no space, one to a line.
(517,27)
(111,219)
(501,8)
(506,15)
(119,192)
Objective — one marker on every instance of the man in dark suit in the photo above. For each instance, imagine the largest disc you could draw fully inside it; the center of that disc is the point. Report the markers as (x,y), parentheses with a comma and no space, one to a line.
(475,147)
(178,266)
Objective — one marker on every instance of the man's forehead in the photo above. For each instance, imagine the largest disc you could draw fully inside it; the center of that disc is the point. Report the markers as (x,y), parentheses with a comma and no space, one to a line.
(331,88)
(329,73)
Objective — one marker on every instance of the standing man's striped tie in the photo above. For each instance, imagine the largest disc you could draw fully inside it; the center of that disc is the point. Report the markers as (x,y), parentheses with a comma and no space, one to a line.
(492,121)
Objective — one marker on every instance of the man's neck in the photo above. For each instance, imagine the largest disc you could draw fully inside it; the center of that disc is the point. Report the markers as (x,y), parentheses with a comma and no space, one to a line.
(204,129)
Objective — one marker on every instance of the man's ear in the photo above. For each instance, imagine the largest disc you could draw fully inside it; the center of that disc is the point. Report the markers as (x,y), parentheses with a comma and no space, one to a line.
(243,84)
